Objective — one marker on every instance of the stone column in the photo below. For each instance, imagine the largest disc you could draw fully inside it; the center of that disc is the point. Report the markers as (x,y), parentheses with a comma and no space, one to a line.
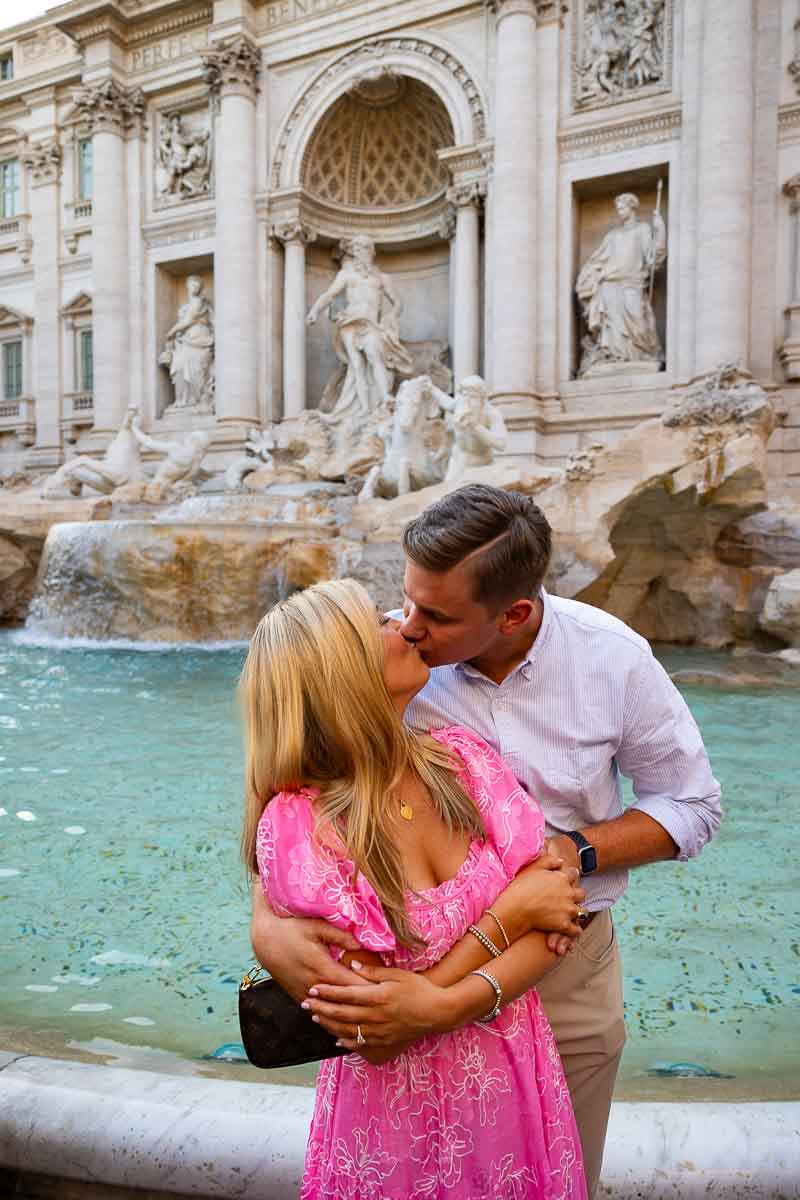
(447,232)
(112,113)
(790,350)
(43,160)
(231,70)
(295,238)
(466,199)
(725,180)
(548,75)
(514,192)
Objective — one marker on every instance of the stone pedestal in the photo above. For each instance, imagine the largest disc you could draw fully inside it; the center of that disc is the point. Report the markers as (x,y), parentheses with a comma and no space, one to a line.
(725,182)
(466,199)
(231,70)
(514,189)
(43,160)
(295,237)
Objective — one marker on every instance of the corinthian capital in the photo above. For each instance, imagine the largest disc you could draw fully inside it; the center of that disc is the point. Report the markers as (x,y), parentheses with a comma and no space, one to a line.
(541,10)
(462,195)
(293,231)
(109,108)
(792,189)
(43,160)
(232,67)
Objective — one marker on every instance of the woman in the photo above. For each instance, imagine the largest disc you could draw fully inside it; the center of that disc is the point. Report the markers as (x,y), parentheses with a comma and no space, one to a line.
(406,841)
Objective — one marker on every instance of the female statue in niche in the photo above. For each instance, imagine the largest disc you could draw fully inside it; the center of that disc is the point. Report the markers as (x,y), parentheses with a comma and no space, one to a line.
(189,351)
(614,288)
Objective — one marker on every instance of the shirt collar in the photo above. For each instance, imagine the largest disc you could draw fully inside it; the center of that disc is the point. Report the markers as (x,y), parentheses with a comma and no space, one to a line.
(525,667)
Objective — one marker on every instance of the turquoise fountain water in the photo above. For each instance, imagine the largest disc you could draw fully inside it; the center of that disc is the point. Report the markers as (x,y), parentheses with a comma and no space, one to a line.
(124,910)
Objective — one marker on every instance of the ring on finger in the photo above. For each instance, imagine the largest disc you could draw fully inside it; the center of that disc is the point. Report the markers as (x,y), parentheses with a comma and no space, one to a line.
(360,1039)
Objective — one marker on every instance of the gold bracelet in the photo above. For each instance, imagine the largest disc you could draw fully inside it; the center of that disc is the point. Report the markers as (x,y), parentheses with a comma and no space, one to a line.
(499,925)
(485,941)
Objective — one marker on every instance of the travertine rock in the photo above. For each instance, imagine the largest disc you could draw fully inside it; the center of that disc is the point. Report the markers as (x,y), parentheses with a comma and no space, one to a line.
(781,613)
(24,524)
(181,581)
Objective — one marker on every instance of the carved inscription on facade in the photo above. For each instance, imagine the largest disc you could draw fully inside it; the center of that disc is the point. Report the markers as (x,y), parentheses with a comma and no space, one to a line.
(622,50)
(145,58)
(284,12)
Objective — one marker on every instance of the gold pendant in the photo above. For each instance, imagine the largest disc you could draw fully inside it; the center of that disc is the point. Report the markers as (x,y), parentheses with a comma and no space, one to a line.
(406,812)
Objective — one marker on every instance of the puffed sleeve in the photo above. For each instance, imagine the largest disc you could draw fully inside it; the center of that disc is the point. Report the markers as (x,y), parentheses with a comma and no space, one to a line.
(305,877)
(513,820)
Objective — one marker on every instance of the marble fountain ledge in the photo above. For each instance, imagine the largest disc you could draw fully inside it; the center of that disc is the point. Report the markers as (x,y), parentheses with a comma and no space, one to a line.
(207,1137)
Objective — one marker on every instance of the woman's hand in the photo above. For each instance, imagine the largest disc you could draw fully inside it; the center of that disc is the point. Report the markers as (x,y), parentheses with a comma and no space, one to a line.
(391,1007)
(546,897)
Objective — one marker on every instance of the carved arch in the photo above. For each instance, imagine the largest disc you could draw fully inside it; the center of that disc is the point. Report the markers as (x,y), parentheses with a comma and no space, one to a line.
(429,61)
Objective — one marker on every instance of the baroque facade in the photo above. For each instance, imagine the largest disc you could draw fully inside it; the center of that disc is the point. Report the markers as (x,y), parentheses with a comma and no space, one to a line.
(181,180)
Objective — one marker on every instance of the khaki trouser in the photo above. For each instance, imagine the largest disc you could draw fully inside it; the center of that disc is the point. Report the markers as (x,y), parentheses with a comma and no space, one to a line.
(582,997)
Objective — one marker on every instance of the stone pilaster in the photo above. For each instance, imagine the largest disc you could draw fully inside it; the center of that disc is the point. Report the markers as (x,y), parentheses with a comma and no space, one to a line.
(295,238)
(231,71)
(43,161)
(466,198)
(725,184)
(113,114)
(513,201)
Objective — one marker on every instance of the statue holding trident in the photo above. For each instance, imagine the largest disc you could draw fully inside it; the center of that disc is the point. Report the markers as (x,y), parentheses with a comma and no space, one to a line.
(615,288)
(366,335)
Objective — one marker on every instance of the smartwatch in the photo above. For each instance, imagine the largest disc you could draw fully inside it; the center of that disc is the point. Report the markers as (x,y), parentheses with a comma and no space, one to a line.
(586,852)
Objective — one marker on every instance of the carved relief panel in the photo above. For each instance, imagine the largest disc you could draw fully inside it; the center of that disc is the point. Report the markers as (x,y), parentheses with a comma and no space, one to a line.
(622,50)
(183,148)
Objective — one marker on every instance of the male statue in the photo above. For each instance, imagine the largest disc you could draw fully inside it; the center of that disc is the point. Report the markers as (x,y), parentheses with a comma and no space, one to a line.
(181,464)
(366,336)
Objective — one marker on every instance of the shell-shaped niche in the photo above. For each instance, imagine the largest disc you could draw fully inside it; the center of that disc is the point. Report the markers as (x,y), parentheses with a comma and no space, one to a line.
(376,146)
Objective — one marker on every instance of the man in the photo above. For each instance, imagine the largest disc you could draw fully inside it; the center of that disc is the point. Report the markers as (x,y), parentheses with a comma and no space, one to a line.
(570,697)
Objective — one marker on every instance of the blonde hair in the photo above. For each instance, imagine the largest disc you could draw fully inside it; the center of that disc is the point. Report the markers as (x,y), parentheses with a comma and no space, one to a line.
(318,714)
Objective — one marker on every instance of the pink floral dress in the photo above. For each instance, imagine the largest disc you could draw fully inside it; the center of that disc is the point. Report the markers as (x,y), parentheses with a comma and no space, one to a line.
(482,1113)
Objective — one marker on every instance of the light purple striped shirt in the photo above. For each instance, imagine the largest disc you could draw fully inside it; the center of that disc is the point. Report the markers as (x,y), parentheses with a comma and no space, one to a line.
(588,703)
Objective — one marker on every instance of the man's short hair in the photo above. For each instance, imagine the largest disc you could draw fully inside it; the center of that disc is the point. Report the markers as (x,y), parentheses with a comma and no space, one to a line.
(505,536)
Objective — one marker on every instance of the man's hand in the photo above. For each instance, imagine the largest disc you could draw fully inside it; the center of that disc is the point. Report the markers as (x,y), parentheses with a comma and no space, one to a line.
(563,847)
(390,1006)
(295,950)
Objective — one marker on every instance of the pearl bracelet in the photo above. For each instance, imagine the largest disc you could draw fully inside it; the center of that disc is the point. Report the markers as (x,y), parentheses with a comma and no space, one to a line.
(485,941)
(498,992)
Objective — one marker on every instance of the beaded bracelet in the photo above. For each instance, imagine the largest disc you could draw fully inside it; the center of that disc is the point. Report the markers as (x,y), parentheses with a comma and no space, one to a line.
(499,925)
(485,941)
(498,992)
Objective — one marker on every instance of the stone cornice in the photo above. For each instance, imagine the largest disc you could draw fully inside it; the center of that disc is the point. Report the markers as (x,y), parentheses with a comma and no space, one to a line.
(789,122)
(650,128)
(165,26)
(43,160)
(111,108)
(232,67)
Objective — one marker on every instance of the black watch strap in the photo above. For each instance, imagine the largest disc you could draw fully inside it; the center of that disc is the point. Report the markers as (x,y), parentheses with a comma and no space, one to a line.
(586,852)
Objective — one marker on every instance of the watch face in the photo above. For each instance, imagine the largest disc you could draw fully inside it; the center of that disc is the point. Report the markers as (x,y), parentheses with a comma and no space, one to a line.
(588,860)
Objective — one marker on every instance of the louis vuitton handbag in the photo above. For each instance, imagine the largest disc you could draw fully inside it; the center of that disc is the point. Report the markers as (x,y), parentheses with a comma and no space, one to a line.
(275,1031)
